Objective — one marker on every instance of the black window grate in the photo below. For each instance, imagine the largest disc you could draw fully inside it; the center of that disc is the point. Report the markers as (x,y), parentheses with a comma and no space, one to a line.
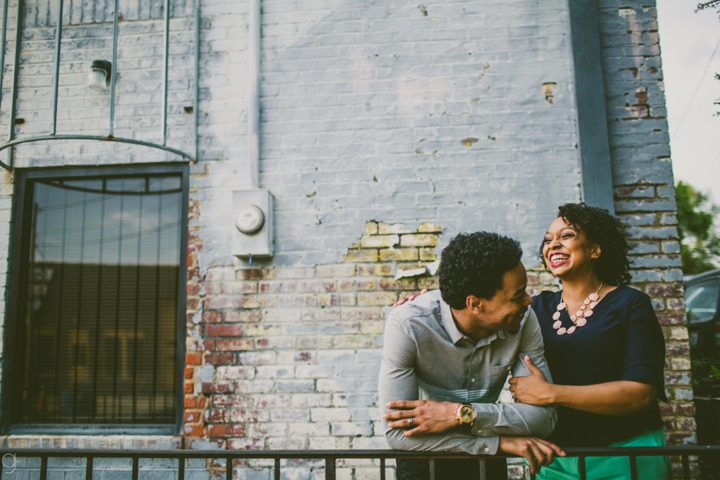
(99,308)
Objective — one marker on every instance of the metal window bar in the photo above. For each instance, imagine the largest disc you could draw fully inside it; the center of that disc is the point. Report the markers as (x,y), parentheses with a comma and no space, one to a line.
(56,76)
(78,323)
(13,91)
(61,305)
(96,357)
(331,456)
(110,137)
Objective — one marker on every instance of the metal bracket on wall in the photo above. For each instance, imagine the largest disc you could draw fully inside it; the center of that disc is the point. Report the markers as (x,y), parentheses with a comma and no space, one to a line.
(110,137)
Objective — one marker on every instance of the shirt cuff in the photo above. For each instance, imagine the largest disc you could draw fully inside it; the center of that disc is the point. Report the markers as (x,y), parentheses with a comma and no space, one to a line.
(484,422)
(489,445)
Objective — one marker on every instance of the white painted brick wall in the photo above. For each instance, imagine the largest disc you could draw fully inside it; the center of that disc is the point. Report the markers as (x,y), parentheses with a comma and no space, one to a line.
(370,111)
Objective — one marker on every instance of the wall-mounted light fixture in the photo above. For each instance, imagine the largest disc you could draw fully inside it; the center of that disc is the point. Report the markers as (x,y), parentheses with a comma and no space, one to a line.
(99,75)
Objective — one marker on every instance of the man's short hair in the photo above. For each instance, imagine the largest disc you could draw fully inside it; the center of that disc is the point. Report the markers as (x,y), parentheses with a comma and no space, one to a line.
(474,264)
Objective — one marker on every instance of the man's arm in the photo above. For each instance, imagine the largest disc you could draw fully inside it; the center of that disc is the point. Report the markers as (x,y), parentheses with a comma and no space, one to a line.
(518,418)
(492,419)
(398,382)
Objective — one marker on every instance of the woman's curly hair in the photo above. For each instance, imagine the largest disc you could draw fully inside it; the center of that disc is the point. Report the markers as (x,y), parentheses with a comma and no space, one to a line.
(474,264)
(601,228)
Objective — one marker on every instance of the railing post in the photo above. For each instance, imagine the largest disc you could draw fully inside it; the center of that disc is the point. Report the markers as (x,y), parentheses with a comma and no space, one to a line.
(329,468)
(89,468)
(43,468)
(135,468)
(382,469)
(228,469)
(277,469)
(581,467)
(432,468)
(633,467)
(686,467)
(483,473)
(181,468)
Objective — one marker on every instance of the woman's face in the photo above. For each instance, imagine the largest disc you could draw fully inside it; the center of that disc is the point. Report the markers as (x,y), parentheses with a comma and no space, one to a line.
(568,250)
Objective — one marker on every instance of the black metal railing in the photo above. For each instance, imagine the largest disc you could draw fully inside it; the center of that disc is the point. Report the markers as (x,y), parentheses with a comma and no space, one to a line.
(330,458)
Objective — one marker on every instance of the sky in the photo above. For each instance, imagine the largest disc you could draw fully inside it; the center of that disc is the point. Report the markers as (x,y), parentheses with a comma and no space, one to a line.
(690,46)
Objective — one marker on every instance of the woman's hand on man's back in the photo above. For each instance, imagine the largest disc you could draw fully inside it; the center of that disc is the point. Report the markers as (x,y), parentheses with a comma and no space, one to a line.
(409,298)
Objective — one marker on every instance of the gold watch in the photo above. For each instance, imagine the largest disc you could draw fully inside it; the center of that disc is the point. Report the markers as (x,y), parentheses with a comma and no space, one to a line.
(466,414)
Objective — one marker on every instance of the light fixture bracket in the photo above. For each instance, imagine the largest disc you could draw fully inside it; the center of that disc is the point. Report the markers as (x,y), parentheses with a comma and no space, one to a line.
(102,65)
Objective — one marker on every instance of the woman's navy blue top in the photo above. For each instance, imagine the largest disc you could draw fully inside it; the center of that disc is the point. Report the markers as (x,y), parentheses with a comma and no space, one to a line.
(622,340)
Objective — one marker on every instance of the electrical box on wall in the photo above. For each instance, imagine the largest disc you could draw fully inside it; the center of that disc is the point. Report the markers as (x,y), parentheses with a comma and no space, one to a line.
(252,223)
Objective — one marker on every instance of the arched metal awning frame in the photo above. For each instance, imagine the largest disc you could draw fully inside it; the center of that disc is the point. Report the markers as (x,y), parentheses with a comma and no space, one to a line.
(110,137)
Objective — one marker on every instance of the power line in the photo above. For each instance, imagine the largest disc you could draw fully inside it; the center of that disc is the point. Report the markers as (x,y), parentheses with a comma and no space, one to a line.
(697,89)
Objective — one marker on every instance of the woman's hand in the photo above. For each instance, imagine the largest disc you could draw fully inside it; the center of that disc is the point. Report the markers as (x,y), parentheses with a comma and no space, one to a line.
(621,397)
(409,298)
(534,389)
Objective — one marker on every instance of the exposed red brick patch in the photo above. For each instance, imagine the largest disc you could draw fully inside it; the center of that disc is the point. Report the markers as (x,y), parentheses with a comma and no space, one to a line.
(224,330)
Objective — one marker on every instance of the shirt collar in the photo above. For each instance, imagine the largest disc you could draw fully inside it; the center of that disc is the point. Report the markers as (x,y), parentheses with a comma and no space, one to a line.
(456,335)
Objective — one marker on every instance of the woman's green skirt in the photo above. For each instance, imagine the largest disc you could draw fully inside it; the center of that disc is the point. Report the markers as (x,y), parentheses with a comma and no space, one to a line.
(614,468)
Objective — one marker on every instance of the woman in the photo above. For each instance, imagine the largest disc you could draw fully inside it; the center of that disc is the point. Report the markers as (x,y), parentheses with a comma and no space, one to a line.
(604,347)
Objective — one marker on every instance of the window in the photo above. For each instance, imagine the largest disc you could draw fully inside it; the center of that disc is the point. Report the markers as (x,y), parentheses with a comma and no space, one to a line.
(97,302)
(702,300)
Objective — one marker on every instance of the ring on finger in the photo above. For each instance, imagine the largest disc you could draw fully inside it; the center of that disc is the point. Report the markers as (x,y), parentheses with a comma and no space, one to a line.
(410,422)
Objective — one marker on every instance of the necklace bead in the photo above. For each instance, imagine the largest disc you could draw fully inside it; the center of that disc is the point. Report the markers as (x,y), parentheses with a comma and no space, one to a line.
(579,319)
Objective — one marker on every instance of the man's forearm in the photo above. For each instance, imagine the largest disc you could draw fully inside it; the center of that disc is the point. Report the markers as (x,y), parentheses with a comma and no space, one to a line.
(513,419)
(442,442)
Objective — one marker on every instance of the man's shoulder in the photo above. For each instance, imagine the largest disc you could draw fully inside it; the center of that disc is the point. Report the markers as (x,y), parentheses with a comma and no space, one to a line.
(424,307)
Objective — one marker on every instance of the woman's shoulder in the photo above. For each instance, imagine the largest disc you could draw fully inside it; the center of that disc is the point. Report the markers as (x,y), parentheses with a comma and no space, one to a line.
(543,300)
(629,294)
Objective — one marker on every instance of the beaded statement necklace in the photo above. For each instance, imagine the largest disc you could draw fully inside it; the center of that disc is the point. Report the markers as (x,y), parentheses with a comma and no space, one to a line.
(579,319)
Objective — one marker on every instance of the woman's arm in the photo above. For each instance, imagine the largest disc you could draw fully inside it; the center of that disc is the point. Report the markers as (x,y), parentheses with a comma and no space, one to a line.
(621,397)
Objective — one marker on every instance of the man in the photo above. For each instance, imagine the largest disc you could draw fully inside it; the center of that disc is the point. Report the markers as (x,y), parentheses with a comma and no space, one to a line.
(446,357)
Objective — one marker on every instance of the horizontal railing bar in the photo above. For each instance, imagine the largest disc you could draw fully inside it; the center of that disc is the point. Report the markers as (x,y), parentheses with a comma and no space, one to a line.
(106,138)
(346,454)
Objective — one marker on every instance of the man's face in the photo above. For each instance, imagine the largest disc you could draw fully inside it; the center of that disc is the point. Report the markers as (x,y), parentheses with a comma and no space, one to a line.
(506,309)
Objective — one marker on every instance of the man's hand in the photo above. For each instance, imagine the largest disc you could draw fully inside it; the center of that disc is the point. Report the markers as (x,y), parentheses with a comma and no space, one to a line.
(534,389)
(422,416)
(409,298)
(538,452)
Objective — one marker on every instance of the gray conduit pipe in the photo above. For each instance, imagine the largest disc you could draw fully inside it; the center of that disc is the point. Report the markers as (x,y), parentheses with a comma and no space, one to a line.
(254,94)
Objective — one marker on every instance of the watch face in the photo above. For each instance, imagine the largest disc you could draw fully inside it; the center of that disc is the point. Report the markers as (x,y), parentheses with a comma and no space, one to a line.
(467,414)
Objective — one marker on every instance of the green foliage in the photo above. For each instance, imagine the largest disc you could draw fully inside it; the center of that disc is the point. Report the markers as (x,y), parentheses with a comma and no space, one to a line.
(699,242)
(705,5)
(703,370)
